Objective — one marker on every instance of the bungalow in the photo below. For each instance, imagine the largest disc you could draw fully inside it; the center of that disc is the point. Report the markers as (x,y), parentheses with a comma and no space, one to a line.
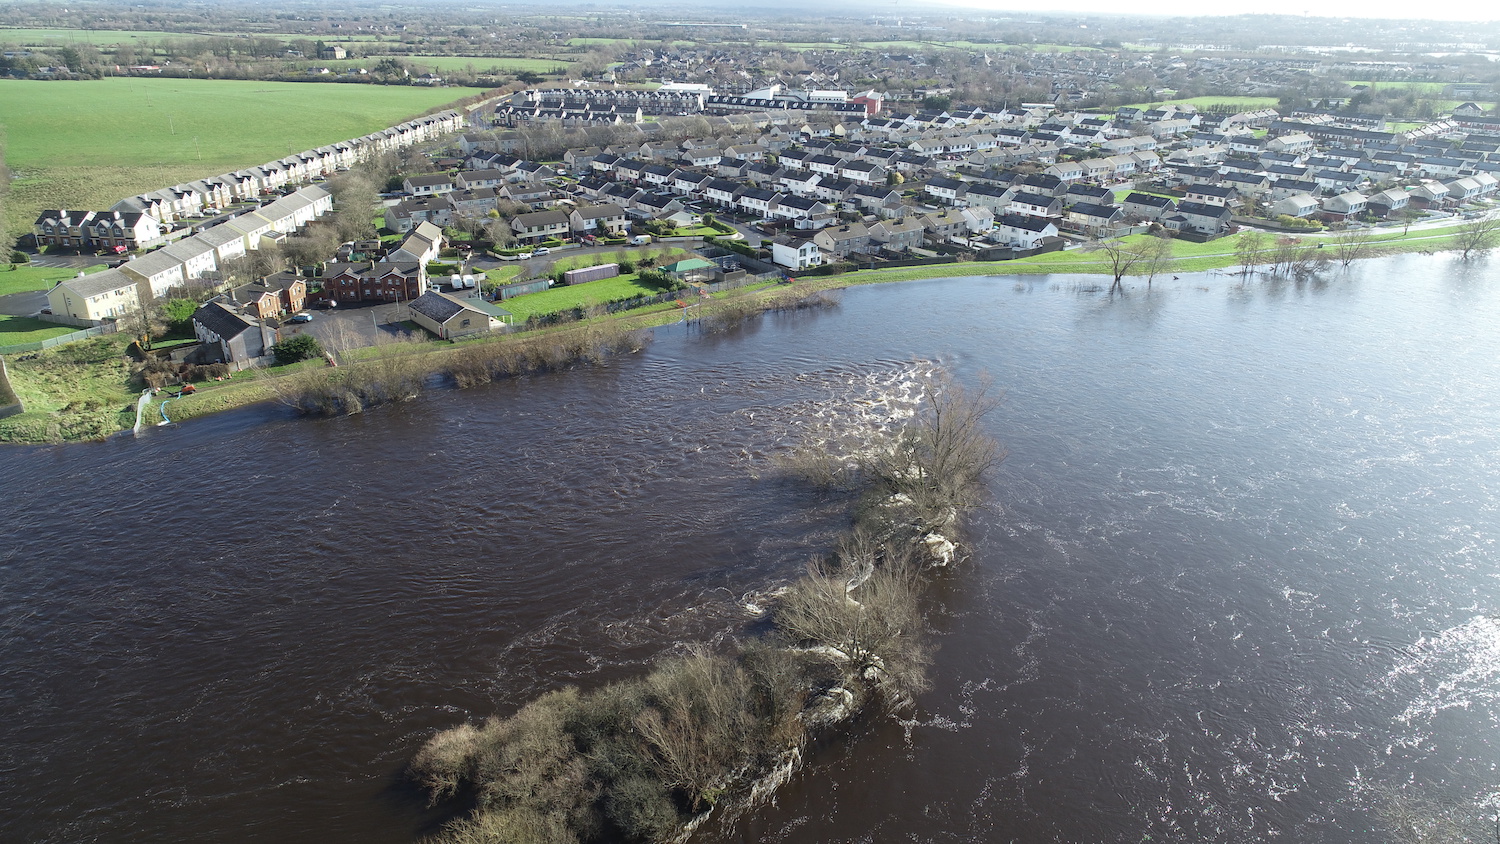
(1023,232)
(795,253)
(1148,206)
(449,316)
(1300,205)
(103,295)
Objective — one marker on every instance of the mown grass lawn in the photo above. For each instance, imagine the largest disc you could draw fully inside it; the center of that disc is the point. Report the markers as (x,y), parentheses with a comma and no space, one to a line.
(663,255)
(577,295)
(15,330)
(25,278)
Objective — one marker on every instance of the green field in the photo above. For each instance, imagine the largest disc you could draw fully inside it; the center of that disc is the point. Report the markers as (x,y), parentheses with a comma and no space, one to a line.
(99,37)
(121,136)
(488,62)
(24,278)
(576,295)
(15,330)
(585,42)
(1242,103)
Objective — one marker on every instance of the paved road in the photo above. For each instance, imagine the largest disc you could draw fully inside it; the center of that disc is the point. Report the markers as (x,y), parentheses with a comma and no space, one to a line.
(352,327)
(77,262)
(23,304)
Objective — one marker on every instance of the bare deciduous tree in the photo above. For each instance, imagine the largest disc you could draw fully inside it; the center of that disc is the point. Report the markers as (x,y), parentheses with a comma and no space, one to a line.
(1351,245)
(1477,236)
(1122,259)
(1249,250)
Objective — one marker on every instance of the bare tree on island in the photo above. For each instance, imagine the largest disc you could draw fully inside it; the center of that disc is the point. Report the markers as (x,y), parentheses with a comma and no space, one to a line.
(1477,236)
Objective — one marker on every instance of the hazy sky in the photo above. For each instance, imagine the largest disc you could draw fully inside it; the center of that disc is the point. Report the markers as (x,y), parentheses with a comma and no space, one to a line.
(1452,10)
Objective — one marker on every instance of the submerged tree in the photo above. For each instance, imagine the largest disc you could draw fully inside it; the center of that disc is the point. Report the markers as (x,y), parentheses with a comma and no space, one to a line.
(1351,245)
(1122,259)
(1477,236)
(1249,250)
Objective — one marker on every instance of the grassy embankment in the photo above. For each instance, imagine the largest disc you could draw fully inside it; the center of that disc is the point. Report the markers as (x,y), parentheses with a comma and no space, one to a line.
(79,394)
(123,136)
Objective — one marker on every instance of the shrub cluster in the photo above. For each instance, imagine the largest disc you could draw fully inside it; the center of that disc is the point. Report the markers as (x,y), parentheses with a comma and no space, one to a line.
(480,363)
(641,760)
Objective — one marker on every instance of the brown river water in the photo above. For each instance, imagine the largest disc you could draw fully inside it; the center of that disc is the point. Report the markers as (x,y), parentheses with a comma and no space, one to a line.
(1238,573)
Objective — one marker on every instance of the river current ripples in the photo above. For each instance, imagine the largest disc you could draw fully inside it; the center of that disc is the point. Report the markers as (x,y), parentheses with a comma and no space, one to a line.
(1236,581)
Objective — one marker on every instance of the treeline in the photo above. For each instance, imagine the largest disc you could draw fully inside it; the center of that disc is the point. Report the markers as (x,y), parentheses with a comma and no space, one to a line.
(646,759)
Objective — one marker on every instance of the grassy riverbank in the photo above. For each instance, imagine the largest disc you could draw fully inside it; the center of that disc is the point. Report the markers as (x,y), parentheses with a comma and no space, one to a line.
(84,390)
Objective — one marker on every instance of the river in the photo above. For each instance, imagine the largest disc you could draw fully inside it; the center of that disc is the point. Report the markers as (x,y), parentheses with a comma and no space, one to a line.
(1236,576)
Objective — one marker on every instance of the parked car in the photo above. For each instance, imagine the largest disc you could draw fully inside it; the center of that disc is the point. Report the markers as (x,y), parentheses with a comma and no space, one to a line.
(301,318)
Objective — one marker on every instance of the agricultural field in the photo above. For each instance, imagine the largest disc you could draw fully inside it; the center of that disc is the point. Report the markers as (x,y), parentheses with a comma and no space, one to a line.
(121,136)
(97,37)
(488,62)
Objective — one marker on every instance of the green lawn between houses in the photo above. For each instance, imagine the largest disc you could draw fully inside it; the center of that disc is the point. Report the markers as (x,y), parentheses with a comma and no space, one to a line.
(16,330)
(24,278)
(562,298)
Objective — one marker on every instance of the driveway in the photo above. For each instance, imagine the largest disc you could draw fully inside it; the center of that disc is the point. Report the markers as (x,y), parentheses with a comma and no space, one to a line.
(352,326)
